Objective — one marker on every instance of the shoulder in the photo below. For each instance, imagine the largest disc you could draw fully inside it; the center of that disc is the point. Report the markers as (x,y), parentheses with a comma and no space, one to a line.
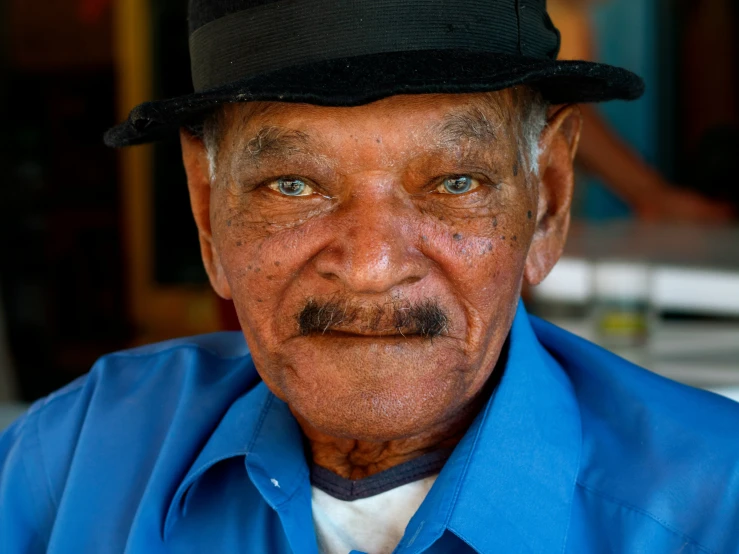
(130,400)
(155,372)
(165,369)
(637,402)
(162,373)
(655,446)
(224,345)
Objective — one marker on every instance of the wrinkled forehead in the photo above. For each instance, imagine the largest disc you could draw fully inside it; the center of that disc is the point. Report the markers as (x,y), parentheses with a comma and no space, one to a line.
(426,121)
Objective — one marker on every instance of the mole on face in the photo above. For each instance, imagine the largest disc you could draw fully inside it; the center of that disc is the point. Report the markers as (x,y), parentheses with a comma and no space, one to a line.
(514,238)
(457,237)
(277,264)
(529,214)
(238,243)
(495,222)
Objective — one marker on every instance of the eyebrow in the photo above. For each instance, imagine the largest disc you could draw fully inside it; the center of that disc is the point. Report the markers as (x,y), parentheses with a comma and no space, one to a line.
(470,123)
(277,142)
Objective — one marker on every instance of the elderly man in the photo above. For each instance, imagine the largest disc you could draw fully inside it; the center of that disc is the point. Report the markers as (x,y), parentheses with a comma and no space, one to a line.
(372,183)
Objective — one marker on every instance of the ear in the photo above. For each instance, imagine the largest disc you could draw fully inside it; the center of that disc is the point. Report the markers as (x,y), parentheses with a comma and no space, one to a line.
(558,146)
(197,167)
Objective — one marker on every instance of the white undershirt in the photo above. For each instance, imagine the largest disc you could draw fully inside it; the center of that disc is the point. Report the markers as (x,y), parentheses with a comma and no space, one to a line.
(374,525)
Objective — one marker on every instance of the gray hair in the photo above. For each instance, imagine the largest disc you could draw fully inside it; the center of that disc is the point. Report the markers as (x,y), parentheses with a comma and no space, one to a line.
(530,110)
(532,118)
(211,139)
(208,129)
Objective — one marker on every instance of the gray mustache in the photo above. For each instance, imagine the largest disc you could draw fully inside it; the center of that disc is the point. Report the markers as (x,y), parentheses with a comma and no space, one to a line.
(427,318)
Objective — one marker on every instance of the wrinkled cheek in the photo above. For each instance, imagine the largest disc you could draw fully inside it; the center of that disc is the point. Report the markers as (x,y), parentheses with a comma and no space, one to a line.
(500,269)
(485,250)
(493,297)
(239,236)
(263,267)
(249,274)
(485,261)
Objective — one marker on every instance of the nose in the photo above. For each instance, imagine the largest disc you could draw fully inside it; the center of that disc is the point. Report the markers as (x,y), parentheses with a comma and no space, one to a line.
(374,248)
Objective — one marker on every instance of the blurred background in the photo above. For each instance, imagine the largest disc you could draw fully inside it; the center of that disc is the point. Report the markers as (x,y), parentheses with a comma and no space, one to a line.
(98,251)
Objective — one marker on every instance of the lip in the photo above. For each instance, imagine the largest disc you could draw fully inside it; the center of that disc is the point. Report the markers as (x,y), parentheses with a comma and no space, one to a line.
(365,335)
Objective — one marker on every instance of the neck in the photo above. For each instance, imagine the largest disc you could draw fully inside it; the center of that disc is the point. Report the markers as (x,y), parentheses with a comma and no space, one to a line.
(356,459)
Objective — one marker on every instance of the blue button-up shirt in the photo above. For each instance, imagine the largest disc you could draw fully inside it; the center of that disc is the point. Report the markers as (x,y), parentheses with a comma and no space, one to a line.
(178,447)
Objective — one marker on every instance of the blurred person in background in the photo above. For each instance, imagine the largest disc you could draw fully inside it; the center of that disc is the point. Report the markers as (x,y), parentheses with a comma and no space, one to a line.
(603,153)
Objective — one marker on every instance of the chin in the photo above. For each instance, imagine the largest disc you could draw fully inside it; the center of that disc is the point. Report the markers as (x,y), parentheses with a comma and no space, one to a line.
(378,408)
(376,418)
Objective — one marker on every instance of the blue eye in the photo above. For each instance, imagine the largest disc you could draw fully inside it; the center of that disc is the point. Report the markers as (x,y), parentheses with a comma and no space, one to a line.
(291,187)
(458,185)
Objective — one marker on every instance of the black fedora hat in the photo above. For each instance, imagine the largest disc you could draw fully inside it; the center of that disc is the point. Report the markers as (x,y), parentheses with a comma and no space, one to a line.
(352,52)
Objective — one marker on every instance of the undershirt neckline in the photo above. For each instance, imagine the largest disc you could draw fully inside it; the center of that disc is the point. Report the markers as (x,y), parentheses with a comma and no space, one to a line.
(345,489)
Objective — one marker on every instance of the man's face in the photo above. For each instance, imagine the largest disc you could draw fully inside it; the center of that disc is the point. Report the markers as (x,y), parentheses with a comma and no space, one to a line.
(375,254)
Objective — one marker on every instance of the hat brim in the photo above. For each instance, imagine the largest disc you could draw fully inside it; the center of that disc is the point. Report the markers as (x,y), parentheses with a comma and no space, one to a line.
(364,79)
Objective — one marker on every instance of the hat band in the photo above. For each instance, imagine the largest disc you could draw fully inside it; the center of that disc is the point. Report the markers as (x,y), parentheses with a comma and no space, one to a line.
(287,33)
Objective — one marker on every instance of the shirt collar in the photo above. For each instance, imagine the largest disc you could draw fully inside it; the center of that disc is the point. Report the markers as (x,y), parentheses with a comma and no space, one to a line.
(508,486)
(526,456)
(510,483)
(261,428)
